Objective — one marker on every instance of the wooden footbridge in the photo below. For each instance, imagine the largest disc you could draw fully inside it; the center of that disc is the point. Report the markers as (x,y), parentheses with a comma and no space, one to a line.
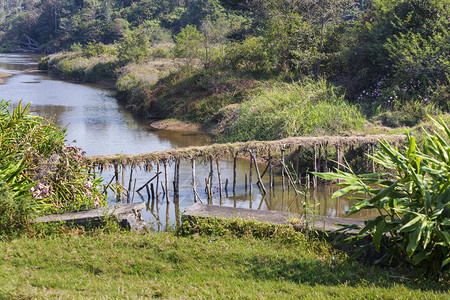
(327,154)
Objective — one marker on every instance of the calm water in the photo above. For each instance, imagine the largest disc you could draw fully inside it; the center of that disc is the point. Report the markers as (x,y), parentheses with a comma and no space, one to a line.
(97,122)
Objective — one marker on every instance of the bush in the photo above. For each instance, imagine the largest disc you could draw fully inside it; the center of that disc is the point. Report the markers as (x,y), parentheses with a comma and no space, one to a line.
(134,47)
(252,55)
(413,225)
(93,49)
(35,164)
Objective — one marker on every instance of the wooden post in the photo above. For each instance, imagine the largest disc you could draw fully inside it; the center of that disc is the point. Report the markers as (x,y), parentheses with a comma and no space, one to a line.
(308,181)
(226,187)
(166,175)
(134,189)
(315,167)
(245,182)
(177,177)
(270,171)
(129,185)
(116,174)
(220,179)
(338,157)
(153,196)
(326,158)
(152,189)
(157,179)
(123,181)
(282,169)
(250,185)
(148,197)
(290,180)
(234,173)
(193,179)
(211,176)
(366,148)
(261,184)
(373,162)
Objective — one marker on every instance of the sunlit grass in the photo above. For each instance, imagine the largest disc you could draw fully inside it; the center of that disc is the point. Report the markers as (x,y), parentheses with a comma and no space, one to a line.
(120,265)
(309,108)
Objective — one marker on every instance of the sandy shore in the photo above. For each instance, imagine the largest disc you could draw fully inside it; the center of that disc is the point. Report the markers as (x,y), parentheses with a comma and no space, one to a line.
(3,76)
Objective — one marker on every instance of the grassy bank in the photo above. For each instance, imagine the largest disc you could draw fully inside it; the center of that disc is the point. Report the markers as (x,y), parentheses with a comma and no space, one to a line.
(119,265)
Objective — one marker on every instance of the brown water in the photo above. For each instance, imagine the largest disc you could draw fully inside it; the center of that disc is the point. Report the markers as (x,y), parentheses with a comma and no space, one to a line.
(98,123)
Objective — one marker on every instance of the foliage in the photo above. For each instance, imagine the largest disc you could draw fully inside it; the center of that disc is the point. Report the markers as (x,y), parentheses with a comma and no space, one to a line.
(306,108)
(15,199)
(397,52)
(93,49)
(250,55)
(133,48)
(188,43)
(412,200)
(35,164)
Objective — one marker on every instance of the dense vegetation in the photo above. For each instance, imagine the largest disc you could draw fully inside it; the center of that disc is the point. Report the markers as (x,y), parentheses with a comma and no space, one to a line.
(39,174)
(198,60)
(412,200)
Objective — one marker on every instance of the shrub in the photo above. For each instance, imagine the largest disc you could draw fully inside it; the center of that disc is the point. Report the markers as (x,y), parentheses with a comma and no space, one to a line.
(251,55)
(413,225)
(188,43)
(134,47)
(35,164)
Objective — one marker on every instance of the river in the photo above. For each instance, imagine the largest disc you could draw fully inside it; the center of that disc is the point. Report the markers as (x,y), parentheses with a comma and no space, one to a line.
(98,123)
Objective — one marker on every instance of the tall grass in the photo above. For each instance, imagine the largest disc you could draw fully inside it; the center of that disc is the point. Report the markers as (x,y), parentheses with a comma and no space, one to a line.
(307,108)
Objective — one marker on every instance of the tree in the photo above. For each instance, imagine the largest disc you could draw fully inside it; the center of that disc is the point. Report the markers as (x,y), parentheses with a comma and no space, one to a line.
(188,43)
(134,47)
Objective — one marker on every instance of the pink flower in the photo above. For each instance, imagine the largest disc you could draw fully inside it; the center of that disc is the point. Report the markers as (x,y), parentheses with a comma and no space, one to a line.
(96,202)
(88,185)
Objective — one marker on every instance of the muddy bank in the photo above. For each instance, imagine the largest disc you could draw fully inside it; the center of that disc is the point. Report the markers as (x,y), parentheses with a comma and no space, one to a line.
(3,76)
(171,124)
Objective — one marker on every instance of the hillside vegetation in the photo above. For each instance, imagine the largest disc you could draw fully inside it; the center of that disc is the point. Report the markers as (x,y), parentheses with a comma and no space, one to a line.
(206,61)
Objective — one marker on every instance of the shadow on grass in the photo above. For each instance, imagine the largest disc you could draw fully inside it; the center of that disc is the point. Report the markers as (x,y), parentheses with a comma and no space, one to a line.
(313,272)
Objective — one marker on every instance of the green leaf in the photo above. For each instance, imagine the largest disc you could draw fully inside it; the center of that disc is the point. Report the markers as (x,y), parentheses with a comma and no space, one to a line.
(350,188)
(419,257)
(414,239)
(378,234)
(445,262)
(383,193)
(411,224)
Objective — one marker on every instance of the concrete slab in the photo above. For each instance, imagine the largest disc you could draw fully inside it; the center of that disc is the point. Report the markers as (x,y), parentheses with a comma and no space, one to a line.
(275,217)
(128,215)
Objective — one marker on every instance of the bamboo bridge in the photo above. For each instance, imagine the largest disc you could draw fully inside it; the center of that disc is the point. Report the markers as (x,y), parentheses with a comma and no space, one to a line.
(327,154)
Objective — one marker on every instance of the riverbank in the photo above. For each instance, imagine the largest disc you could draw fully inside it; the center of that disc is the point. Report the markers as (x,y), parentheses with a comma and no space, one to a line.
(216,100)
(127,265)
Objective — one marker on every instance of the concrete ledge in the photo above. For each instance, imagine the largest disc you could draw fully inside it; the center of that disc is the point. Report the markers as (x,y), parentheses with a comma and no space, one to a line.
(276,217)
(127,215)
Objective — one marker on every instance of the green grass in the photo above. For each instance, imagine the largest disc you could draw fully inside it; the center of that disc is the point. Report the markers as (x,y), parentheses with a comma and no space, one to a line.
(308,108)
(127,265)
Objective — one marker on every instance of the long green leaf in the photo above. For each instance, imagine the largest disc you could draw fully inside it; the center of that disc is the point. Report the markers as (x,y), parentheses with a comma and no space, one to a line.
(379,234)
(383,193)
(414,239)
